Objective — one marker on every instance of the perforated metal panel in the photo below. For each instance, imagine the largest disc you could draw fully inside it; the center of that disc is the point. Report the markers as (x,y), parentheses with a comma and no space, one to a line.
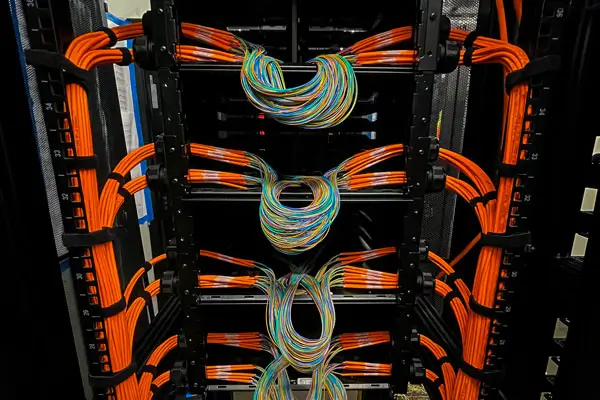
(451,96)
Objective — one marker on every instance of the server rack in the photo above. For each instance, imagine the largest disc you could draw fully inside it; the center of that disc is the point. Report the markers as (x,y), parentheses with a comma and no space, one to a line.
(167,121)
(179,197)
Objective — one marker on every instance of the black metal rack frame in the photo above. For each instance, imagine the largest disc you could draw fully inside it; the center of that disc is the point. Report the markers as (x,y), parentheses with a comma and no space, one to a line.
(171,149)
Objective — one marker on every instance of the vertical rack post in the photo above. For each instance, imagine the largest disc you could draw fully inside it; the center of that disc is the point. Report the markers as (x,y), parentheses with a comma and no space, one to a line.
(418,155)
(172,152)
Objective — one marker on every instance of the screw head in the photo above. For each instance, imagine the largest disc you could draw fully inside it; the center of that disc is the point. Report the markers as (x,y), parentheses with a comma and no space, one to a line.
(172,150)
(421,152)
(163,48)
(186,292)
(175,180)
(160,11)
(424,120)
(192,362)
(433,16)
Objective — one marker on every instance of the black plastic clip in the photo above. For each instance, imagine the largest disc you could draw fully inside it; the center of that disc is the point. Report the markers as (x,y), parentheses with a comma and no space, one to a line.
(426,282)
(89,239)
(505,240)
(533,68)
(156,176)
(148,266)
(448,57)
(434,149)
(53,60)
(423,250)
(113,309)
(436,178)
(417,371)
(488,377)
(179,373)
(490,313)
(81,162)
(168,282)
(104,381)
(143,54)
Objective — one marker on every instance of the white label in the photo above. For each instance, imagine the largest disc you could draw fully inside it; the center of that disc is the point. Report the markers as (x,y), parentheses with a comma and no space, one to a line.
(304,381)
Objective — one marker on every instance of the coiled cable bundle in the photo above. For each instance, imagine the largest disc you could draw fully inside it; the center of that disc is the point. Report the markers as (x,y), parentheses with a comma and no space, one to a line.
(294,230)
(323,102)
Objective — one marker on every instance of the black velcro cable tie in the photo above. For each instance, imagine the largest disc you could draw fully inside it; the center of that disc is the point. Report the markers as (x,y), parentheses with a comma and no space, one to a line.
(468,56)
(154,388)
(123,192)
(490,313)
(153,369)
(146,296)
(505,240)
(89,239)
(53,60)
(126,56)
(81,162)
(489,377)
(438,382)
(104,381)
(111,35)
(113,309)
(470,39)
(510,170)
(533,68)
(489,196)
(116,177)
(147,266)
(444,359)
(451,279)
(451,296)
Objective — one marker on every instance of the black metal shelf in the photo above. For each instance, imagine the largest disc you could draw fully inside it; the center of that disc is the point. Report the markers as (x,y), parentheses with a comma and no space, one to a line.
(251,388)
(338,299)
(386,195)
(291,68)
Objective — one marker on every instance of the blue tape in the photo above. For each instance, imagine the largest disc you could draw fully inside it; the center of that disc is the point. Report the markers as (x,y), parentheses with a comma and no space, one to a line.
(138,123)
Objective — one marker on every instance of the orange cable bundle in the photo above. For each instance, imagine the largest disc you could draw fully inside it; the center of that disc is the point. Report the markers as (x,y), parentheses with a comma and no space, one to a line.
(447,370)
(433,378)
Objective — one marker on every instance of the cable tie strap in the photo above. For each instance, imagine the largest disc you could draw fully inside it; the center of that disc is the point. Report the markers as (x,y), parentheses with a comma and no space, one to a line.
(111,35)
(53,60)
(117,177)
(490,313)
(113,309)
(82,162)
(444,360)
(533,68)
(451,296)
(123,192)
(153,369)
(505,240)
(125,55)
(154,388)
(468,56)
(148,266)
(489,377)
(89,239)
(489,196)
(146,296)
(510,170)
(104,381)
(438,382)
(470,39)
